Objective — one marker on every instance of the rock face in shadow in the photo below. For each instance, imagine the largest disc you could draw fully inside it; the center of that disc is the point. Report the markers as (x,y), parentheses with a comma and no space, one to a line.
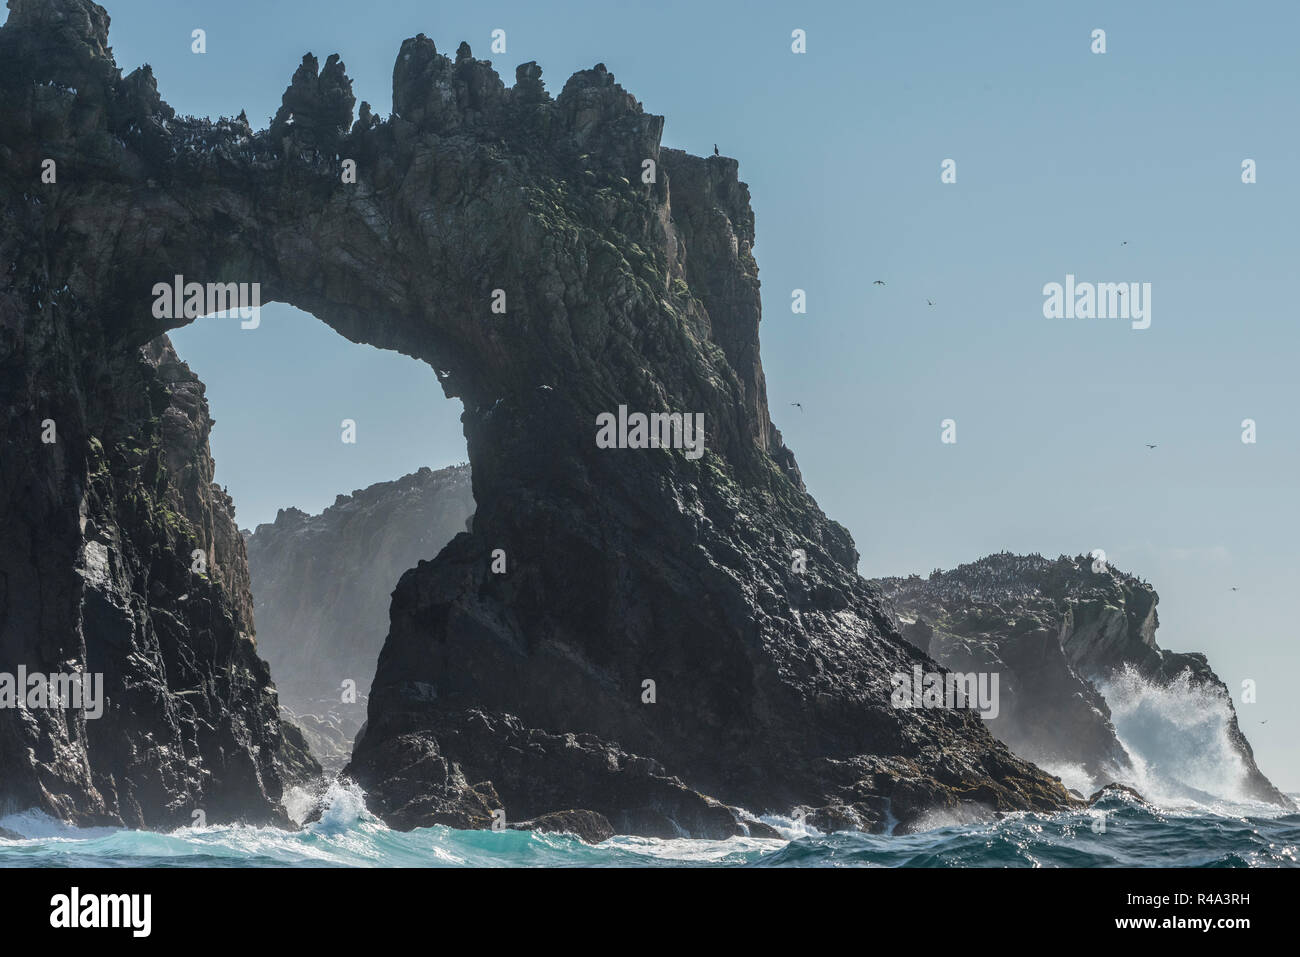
(1058,632)
(553,263)
(157,602)
(321,589)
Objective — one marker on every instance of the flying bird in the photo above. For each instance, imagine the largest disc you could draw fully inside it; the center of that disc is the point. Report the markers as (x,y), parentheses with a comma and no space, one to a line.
(878,282)
(798,405)
(929,302)
(1150,446)
(1124,243)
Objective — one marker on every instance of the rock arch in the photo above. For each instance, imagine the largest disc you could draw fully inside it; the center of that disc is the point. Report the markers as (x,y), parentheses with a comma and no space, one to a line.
(522,689)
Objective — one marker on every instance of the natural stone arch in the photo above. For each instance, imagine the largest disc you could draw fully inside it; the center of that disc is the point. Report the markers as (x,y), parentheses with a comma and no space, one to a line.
(773,684)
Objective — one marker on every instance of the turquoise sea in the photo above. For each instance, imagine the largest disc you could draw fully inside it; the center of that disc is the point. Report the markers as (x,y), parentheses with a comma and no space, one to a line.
(1217,835)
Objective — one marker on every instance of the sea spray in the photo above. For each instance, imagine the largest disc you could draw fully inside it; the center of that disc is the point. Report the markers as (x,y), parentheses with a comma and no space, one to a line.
(1179,736)
(1135,835)
(1072,774)
(340,803)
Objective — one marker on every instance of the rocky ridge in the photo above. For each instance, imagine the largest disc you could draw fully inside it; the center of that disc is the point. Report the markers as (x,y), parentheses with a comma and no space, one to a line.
(191,720)
(1057,631)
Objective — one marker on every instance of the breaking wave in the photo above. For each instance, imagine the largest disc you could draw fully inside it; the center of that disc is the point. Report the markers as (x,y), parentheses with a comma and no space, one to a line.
(1179,736)
(347,835)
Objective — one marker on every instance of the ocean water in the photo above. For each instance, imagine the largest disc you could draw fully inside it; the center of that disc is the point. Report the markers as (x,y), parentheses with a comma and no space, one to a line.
(1183,763)
(349,836)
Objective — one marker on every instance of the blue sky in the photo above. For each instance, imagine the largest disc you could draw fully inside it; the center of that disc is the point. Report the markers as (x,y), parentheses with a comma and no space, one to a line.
(1062,156)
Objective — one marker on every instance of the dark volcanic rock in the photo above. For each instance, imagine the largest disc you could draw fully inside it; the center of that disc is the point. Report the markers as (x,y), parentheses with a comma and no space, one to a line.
(624,565)
(759,829)
(321,589)
(1114,789)
(591,827)
(190,720)
(317,107)
(533,774)
(1055,631)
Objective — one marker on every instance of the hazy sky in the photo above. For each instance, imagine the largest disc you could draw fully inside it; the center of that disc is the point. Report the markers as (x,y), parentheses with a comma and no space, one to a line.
(1062,156)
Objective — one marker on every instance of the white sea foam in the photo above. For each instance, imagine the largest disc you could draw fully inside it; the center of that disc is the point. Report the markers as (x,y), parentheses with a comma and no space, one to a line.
(342,804)
(686,850)
(1178,737)
(37,825)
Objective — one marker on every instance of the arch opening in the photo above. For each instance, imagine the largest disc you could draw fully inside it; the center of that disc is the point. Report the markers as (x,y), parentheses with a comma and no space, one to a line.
(346,466)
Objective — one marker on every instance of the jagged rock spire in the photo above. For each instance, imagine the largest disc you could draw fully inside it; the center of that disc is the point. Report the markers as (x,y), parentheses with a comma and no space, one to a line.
(63,24)
(317,106)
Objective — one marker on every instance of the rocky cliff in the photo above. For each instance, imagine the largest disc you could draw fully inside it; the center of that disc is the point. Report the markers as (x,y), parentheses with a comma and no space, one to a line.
(322,585)
(156,600)
(650,651)
(1058,631)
